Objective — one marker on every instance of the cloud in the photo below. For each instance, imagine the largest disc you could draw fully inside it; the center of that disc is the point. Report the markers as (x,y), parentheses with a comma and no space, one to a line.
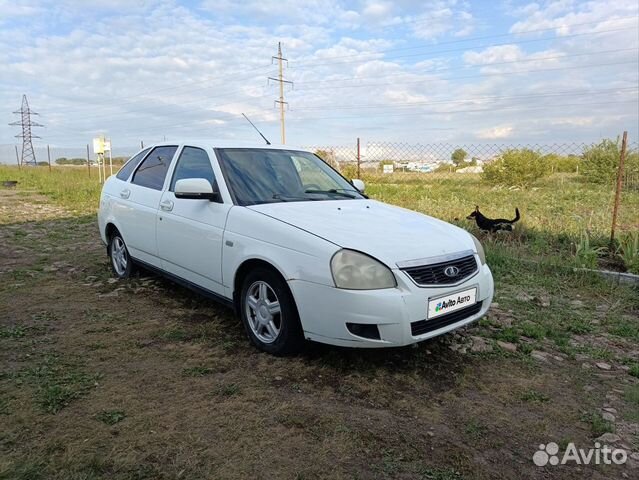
(496,133)
(154,68)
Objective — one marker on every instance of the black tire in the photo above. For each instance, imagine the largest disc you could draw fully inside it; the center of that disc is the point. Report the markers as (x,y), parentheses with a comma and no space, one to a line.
(119,253)
(290,337)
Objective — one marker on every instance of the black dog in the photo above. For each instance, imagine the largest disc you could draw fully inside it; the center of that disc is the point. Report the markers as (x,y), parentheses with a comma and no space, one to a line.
(493,225)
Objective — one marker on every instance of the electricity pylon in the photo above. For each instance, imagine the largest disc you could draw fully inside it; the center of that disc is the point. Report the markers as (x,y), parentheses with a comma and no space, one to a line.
(281,81)
(28,154)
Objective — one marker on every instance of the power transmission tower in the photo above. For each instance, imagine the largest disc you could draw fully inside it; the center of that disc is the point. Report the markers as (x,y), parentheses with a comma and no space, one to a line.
(281,81)
(28,154)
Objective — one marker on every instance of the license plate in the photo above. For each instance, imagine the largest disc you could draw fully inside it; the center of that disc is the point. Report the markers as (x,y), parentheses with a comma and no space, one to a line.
(449,303)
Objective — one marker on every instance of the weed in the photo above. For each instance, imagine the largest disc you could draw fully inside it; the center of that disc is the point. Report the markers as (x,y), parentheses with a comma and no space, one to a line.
(598,426)
(440,474)
(629,251)
(57,383)
(4,406)
(533,330)
(631,394)
(228,389)
(534,396)
(475,429)
(111,417)
(197,371)
(586,254)
(12,332)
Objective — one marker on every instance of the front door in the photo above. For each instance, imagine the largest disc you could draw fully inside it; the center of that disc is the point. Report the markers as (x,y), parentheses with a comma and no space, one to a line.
(190,232)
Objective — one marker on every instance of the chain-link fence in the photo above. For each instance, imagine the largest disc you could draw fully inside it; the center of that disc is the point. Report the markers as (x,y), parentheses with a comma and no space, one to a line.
(562,187)
(568,187)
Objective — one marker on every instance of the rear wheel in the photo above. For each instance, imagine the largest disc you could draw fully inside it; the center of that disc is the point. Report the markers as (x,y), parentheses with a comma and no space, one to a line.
(121,262)
(269,313)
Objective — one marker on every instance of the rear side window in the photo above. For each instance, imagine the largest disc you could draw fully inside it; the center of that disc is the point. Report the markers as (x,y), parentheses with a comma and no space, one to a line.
(193,163)
(126,171)
(152,171)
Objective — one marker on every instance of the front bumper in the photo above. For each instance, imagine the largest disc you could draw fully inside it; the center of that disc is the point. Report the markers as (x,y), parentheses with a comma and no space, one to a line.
(325,310)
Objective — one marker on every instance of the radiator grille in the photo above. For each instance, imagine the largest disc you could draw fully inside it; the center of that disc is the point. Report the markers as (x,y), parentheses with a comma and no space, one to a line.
(434,274)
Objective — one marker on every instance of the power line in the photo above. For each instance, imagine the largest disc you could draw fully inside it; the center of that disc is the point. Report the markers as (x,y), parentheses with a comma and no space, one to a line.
(470,99)
(532,40)
(466,67)
(452,112)
(500,74)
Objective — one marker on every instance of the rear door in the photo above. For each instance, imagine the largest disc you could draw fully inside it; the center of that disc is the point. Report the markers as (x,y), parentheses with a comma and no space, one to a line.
(139,203)
(190,232)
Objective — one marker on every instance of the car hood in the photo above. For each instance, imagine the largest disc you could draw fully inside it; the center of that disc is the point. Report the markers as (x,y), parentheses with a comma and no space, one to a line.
(386,232)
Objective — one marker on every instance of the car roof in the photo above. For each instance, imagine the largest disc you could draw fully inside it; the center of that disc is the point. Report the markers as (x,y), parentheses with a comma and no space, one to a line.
(226,144)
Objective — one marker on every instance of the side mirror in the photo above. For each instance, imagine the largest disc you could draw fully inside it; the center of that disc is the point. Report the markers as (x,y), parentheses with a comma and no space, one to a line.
(195,189)
(359,185)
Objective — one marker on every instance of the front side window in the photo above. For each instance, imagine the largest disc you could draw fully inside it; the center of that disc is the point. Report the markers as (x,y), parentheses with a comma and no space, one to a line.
(152,171)
(128,167)
(193,163)
(258,175)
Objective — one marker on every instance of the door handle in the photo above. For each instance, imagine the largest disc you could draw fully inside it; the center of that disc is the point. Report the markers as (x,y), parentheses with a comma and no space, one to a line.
(166,205)
(125,193)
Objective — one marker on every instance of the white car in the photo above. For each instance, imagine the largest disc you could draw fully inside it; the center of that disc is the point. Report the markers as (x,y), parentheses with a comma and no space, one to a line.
(295,248)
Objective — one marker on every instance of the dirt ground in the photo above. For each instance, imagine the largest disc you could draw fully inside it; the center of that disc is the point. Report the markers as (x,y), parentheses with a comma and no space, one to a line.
(142,379)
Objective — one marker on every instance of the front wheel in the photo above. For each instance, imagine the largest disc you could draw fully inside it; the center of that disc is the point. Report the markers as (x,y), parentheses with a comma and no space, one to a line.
(121,262)
(269,313)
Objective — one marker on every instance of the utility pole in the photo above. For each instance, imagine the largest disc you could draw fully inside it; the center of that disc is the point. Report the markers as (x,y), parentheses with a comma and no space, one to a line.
(281,81)
(28,154)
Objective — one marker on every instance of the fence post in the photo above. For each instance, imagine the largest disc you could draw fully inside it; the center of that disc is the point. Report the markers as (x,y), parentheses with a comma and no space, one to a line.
(141,144)
(49,157)
(615,209)
(88,161)
(18,158)
(359,160)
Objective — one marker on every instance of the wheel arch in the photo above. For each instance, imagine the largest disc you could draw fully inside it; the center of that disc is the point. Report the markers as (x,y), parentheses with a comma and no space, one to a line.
(109,229)
(244,268)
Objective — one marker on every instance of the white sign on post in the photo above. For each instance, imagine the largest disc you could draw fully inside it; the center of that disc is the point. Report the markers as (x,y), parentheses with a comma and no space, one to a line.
(388,168)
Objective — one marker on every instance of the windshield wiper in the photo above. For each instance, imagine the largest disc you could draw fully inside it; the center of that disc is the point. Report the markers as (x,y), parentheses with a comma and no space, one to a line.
(290,198)
(333,191)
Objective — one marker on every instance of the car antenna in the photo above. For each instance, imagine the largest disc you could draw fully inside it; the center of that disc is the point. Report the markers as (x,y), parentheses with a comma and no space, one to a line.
(247,119)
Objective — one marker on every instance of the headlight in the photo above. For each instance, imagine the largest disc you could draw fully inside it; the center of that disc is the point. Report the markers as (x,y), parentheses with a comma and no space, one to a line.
(480,250)
(355,271)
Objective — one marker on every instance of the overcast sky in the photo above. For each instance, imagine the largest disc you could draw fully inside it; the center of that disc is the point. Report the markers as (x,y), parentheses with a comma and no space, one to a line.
(413,71)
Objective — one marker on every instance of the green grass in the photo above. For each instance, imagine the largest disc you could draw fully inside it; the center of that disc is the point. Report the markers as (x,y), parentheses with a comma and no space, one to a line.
(631,395)
(598,426)
(197,371)
(111,417)
(534,396)
(555,213)
(12,332)
(69,187)
(475,429)
(228,389)
(56,382)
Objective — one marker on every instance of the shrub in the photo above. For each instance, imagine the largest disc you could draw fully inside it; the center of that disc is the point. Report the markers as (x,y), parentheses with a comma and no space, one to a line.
(348,170)
(519,168)
(601,162)
(562,163)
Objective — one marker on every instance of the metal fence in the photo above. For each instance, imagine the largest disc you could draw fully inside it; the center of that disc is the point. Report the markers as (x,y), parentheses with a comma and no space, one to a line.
(466,158)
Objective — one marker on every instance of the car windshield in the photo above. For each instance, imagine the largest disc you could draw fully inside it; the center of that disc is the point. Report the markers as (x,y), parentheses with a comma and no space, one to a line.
(260,175)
